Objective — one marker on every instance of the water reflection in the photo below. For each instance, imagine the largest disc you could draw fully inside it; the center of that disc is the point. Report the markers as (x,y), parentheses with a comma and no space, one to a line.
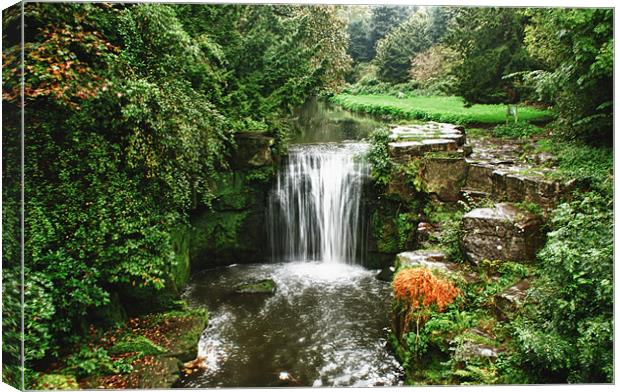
(319,122)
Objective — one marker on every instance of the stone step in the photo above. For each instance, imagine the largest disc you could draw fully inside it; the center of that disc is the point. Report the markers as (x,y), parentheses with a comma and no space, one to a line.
(411,141)
(515,184)
(425,258)
(429,130)
(503,232)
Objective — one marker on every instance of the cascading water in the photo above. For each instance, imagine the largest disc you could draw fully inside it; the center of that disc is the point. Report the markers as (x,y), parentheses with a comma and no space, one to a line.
(325,323)
(315,208)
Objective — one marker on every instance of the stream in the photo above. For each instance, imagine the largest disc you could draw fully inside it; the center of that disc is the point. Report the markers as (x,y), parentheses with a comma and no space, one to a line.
(326,324)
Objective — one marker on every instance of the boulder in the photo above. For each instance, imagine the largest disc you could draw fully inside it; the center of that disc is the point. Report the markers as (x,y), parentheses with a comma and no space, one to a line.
(503,232)
(265,286)
(410,141)
(479,177)
(474,343)
(444,177)
(429,130)
(405,151)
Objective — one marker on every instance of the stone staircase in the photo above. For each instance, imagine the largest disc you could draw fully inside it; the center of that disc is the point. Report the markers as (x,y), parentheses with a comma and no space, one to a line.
(450,168)
(492,174)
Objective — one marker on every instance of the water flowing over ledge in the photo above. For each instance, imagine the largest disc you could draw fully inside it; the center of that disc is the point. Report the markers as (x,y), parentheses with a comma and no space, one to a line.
(315,209)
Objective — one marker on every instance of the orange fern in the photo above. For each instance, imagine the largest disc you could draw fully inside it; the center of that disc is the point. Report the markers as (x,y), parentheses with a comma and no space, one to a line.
(419,288)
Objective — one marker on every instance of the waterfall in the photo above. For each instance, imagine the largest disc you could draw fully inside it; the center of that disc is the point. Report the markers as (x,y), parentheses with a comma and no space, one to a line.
(315,208)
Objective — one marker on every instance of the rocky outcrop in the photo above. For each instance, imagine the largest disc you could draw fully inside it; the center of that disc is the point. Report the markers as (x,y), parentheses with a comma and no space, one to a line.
(472,344)
(503,232)
(233,230)
(265,286)
(253,150)
(444,176)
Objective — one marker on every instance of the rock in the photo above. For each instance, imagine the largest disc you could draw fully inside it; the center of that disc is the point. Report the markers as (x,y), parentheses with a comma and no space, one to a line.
(424,258)
(470,350)
(503,232)
(253,150)
(429,130)
(479,177)
(265,286)
(410,141)
(136,344)
(385,274)
(405,151)
(473,343)
(444,177)
(198,363)
(161,373)
(400,187)
(510,300)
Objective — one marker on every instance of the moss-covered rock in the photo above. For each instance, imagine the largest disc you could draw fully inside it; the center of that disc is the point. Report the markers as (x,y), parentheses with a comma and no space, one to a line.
(265,286)
(57,381)
(136,344)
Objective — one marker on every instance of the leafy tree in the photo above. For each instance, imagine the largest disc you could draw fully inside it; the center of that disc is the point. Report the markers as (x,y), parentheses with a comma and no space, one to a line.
(394,52)
(384,19)
(490,41)
(440,19)
(576,48)
(433,67)
(359,48)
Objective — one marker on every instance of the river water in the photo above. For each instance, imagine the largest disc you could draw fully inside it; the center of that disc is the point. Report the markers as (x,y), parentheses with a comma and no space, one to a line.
(326,324)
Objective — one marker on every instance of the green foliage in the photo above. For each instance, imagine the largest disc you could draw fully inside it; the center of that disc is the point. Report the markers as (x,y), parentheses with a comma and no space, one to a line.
(433,108)
(394,52)
(89,362)
(384,19)
(131,115)
(432,69)
(490,42)
(575,47)
(567,335)
(591,167)
(359,47)
(378,157)
(516,130)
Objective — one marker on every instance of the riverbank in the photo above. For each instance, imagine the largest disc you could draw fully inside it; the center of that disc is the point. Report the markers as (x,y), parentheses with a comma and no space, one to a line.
(435,108)
(144,352)
(522,228)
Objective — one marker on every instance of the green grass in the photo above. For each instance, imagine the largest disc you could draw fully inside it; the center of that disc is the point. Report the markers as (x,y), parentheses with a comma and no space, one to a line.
(445,109)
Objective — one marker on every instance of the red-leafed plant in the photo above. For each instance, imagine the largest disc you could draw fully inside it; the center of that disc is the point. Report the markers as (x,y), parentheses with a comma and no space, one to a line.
(418,292)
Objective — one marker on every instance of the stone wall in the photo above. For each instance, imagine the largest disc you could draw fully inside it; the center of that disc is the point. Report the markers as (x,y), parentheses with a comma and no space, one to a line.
(232,230)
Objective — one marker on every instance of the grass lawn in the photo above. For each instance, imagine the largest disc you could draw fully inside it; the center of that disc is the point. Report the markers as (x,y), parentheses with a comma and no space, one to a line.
(444,109)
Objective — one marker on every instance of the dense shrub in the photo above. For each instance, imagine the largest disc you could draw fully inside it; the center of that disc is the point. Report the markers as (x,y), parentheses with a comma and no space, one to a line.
(568,333)
(516,130)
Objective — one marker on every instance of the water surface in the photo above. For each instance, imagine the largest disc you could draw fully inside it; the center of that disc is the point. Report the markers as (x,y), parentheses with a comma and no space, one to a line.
(324,326)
